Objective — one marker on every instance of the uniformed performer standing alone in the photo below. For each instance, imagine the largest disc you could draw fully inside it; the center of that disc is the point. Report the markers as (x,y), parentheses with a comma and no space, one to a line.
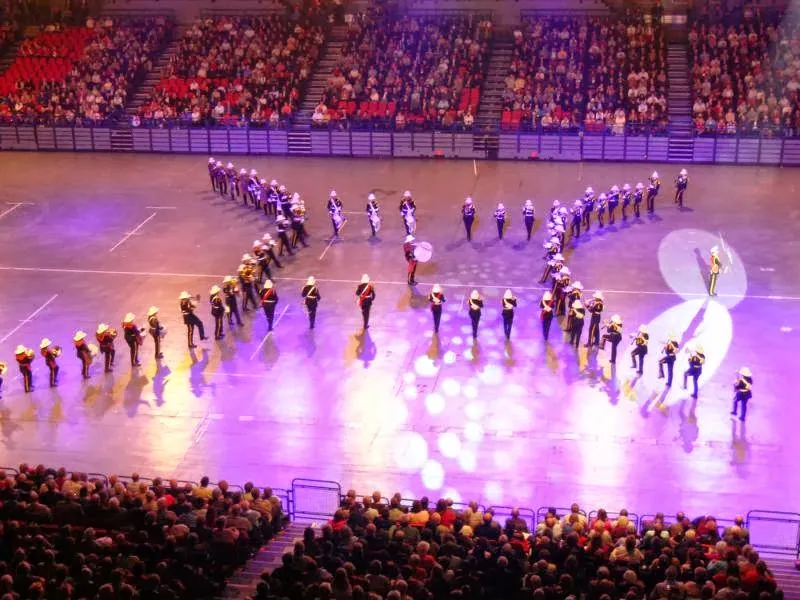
(577,315)
(311,297)
(365,293)
(670,354)
(155,329)
(640,349)
(83,352)
(217,311)
(24,357)
(715,267)
(411,260)
(269,300)
(528,216)
(508,303)
(500,218)
(613,334)
(743,391)
(373,214)
(335,210)
(468,216)
(436,299)
(133,337)
(652,191)
(475,304)
(596,312)
(681,183)
(696,360)
(191,320)
(546,307)
(51,354)
(105,337)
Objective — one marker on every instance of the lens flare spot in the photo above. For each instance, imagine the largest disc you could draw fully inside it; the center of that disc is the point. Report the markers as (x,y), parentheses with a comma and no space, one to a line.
(425,367)
(432,475)
(411,451)
(451,387)
(467,461)
(449,444)
(435,403)
(473,432)
(492,375)
(493,492)
(449,357)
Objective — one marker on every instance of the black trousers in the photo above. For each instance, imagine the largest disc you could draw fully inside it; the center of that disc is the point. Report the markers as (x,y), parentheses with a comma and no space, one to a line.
(575,228)
(311,307)
(594,332)
(53,374)
(285,244)
(545,273)
(679,197)
(213,182)
(233,310)
(651,202)
(670,362)
(468,221)
(475,317)
(109,358)
(85,364)
(157,342)
(587,219)
(412,271)
(601,215)
(269,312)
(273,258)
(27,378)
(547,321)
(624,214)
(501,223)
(299,235)
(222,184)
(640,354)
(575,333)
(612,209)
(192,321)
(637,209)
(366,307)
(134,351)
(249,297)
(615,340)
(743,399)
(695,375)
(436,310)
(264,271)
(508,321)
(219,330)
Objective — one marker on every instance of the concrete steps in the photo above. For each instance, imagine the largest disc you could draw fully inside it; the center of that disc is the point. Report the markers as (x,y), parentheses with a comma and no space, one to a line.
(317,83)
(144,91)
(679,103)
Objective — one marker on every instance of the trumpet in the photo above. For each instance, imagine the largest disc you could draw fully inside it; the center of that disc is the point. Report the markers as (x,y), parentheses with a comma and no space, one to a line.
(56,351)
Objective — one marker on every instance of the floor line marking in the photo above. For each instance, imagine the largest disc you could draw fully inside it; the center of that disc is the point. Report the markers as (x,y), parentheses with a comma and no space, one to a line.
(14,206)
(131,233)
(330,242)
(269,333)
(30,317)
(398,283)
(162,207)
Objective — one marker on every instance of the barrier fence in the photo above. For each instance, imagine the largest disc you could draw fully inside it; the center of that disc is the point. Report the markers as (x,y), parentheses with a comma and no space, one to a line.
(773,532)
(574,146)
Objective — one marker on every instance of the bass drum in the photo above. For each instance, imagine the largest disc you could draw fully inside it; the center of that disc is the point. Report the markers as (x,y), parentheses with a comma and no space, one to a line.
(423,252)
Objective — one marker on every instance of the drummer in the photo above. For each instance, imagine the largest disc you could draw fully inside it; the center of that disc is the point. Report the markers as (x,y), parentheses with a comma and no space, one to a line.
(411,259)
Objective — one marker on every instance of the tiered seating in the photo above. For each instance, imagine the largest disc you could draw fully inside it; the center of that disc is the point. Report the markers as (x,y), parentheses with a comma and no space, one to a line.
(745,77)
(231,70)
(71,536)
(377,549)
(422,72)
(79,74)
(544,86)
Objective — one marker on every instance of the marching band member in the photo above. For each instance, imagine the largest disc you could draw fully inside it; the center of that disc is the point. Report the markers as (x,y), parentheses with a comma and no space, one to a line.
(232,304)
(83,352)
(4,368)
(373,214)
(508,303)
(408,251)
(233,181)
(468,216)
(24,357)
(311,297)
(627,196)
(247,279)
(51,354)
(282,227)
(652,191)
(600,205)
(554,207)
(613,201)
(560,233)
(269,300)
(133,337)
(268,246)
(561,281)
(212,175)
(637,199)
(500,218)
(475,304)
(640,349)
(588,207)
(613,334)
(670,351)
(191,320)
(596,312)
(262,195)
(105,338)
(546,306)
(217,311)
(743,391)
(528,216)
(575,222)
(251,188)
(285,202)
(555,264)
(681,183)
(262,260)
(272,200)
(408,209)
(714,268)
(155,329)
(577,314)
(335,209)
(436,299)
(696,360)
(365,293)
(222,178)
(299,233)
(241,186)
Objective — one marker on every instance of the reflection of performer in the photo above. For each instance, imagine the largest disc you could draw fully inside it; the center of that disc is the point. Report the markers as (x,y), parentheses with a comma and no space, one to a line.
(366,296)
(696,361)
(613,334)
(546,306)
(155,329)
(83,352)
(640,349)
(742,389)
(408,251)
(475,304)
(715,267)
(311,298)
(509,303)
(468,216)
(437,299)
(24,357)
(51,354)
(670,352)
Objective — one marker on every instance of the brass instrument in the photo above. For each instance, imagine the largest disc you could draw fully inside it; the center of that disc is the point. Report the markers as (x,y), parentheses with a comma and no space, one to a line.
(56,351)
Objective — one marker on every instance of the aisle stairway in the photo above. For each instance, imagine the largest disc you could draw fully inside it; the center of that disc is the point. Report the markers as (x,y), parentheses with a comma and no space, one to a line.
(143,92)
(9,56)
(491,103)
(679,103)
(244,583)
(787,576)
(317,83)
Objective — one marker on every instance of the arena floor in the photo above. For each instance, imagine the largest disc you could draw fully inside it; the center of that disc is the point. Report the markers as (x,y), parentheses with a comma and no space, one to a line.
(87,238)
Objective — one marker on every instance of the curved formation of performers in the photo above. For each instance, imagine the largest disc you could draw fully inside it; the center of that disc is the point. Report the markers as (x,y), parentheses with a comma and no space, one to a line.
(254,281)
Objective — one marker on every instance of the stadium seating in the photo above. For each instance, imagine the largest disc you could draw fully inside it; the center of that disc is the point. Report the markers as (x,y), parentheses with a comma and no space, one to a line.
(411,72)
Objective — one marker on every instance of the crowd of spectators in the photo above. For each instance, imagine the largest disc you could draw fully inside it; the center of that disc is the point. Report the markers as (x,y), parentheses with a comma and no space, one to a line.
(373,549)
(80,75)
(66,535)
(607,75)
(237,70)
(746,75)
(404,72)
